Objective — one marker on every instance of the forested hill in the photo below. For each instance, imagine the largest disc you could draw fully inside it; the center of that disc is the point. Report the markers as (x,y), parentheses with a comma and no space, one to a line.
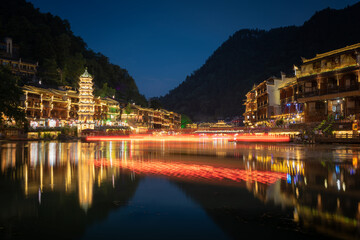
(62,56)
(218,88)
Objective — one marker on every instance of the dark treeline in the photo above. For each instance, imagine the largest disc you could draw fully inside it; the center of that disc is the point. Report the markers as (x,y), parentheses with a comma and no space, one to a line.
(218,88)
(62,56)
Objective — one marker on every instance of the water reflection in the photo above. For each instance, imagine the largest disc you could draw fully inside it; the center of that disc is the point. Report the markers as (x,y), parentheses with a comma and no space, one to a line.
(316,188)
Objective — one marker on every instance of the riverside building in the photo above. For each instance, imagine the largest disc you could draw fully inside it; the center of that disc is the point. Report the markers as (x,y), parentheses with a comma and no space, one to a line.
(148,118)
(323,86)
(9,57)
(291,111)
(328,84)
(262,102)
(47,107)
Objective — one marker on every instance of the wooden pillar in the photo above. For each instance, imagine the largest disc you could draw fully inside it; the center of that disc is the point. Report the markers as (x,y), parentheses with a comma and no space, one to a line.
(345,107)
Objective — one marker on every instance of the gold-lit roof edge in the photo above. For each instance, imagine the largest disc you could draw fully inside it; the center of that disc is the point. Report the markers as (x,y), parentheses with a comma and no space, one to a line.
(333,52)
(287,83)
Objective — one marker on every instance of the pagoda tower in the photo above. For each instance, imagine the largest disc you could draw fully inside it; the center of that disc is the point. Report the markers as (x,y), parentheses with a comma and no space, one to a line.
(86,102)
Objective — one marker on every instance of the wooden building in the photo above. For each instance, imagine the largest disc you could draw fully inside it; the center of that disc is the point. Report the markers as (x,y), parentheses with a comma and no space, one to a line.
(328,84)
(291,109)
(250,108)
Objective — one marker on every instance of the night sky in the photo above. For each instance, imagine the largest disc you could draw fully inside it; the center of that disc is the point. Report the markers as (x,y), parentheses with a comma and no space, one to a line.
(161,42)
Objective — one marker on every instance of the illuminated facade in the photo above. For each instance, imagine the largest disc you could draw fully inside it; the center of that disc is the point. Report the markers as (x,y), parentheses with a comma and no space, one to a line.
(47,107)
(263,102)
(250,108)
(60,107)
(50,107)
(9,57)
(86,102)
(291,109)
(328,84)
(323,86)
(150,118)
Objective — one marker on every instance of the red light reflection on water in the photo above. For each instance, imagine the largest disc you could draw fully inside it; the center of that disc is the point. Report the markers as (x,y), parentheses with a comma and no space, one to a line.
(194,171)
(139,137)
(261,138)
(192,138)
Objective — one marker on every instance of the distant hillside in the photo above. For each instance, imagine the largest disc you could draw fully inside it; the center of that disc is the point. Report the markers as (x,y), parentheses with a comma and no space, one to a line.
(218,88)
(62,56)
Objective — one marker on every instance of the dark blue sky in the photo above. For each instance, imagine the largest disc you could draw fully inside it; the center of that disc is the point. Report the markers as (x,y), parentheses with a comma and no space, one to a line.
(160,42)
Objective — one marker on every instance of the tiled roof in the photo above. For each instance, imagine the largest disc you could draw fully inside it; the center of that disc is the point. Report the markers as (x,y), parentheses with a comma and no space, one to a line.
(333,52)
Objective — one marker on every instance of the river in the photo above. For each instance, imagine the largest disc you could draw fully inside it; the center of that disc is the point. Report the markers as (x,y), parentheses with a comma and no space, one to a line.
(178,190)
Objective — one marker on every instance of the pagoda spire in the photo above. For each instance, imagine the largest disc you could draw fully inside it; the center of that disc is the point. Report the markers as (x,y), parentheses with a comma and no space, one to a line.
(86,74)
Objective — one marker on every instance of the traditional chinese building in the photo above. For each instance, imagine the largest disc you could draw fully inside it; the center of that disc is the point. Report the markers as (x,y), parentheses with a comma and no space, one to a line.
(272,99)
(86,101)
(47,107)
(267,99)
(291,109)
(9,57)
(150,118)
(250,108)
(328,84)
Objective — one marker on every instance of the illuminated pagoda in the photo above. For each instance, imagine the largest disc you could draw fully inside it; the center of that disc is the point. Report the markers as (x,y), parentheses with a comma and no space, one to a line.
(86,102)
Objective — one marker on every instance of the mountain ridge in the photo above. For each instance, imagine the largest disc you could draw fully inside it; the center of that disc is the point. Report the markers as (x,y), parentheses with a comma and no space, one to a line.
(217,89)
(62,56)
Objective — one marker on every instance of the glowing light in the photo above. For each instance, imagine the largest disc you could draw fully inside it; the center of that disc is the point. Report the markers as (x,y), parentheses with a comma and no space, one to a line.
(192,138)
(139,137)
(194,171)
(288,178)
(52,123)
(337,169)
(260,138)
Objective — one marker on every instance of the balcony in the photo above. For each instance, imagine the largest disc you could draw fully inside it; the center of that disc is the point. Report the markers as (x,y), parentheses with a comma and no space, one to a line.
(335,89)
(352,87)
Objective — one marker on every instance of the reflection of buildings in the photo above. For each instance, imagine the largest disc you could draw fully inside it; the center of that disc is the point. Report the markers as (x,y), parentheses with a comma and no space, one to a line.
(85,176)
(53,166)
(326,197)
(319,194)
(44,184)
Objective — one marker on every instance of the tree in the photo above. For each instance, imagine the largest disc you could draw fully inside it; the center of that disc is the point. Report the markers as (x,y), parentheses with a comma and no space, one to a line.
(185,120)
(48,40)
(128,109)
(279,122)
(155,103)
(105,91)
(10,94)
(50,72)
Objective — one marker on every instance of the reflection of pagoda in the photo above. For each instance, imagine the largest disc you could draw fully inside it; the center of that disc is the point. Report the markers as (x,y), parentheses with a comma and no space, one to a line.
(86,177)
(86,101)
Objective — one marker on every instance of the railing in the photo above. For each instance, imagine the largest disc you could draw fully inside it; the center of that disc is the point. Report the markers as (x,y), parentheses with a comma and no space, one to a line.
(352,87)
(346,135)
(309,94)
(331,90)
